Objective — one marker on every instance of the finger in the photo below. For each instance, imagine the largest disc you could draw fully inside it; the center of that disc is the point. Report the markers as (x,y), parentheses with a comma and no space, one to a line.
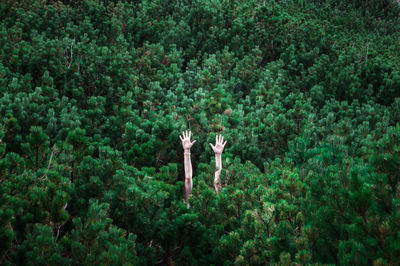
(224,143)
(193,142)
(222,139)
(183,134)
(190,134)
(181,138)
(216,139)
(212,146)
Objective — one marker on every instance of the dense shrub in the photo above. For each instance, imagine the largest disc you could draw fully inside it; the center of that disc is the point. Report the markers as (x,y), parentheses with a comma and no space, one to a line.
(93,97)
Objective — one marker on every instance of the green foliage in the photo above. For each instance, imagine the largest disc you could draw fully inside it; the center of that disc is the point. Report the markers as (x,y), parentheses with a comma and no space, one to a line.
(93,97)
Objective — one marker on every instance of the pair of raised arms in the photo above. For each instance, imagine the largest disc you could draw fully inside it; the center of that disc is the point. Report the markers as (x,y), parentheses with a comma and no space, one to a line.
(217,148)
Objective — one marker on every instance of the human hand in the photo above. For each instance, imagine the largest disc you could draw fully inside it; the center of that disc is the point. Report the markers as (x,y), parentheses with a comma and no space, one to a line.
(186,144)
(219,144)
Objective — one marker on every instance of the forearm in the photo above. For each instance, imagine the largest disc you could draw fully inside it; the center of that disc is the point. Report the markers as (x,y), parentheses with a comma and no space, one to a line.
(218,166)
(188,164)
(218,163)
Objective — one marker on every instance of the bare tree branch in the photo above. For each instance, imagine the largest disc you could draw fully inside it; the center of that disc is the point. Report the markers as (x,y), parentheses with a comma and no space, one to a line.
(48,166)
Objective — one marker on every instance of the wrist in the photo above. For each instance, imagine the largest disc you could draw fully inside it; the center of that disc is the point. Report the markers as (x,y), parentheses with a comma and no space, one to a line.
(186,151)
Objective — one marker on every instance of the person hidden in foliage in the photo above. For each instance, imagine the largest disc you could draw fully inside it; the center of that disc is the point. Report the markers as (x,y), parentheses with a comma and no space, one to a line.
(218,148)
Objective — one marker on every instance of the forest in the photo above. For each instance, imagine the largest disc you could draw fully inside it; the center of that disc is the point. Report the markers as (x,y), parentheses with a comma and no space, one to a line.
(94,95)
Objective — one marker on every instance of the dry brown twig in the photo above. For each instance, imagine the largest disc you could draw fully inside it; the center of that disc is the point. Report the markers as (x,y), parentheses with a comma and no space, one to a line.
(49,165)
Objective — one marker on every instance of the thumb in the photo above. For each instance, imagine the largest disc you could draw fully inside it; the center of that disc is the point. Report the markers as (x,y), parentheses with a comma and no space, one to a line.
(193,142)
(212,146)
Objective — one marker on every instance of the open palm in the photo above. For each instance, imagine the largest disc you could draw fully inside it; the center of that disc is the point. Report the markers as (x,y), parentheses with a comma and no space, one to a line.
(219,144)
(186,143)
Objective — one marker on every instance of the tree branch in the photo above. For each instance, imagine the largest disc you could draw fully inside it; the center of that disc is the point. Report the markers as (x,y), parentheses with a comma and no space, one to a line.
(48,166)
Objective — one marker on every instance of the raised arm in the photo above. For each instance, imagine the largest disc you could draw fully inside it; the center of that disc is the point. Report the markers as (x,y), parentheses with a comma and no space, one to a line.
(186,144)
(218,149)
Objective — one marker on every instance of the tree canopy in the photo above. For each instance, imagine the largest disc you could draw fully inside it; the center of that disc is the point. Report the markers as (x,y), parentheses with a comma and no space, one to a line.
(94,95)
